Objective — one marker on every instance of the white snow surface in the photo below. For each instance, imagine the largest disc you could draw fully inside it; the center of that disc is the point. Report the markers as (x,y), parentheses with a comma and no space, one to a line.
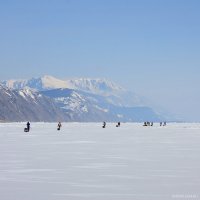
(85,162)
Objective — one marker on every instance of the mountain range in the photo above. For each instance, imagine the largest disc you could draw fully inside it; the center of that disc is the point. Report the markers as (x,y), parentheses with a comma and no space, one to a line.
(80,99)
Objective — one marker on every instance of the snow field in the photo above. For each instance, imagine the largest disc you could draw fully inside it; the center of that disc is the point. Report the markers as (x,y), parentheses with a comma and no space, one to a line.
(84,161)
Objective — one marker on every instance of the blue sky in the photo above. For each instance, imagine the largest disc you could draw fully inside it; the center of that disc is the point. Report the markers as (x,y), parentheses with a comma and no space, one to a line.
(151,47)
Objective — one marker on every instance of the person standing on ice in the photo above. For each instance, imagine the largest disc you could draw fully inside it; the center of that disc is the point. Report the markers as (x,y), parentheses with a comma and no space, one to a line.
(28,126)
(104,125)
(118,124)
(59,126)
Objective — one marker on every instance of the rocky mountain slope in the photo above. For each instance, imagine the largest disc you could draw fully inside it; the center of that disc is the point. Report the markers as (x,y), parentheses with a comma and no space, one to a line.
(27,105)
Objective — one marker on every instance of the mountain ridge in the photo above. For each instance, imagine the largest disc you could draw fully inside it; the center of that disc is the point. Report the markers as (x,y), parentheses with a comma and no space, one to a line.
(86,99)
(115,94)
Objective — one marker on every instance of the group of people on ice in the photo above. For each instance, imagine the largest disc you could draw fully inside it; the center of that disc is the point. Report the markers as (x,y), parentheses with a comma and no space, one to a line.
(104,124)
(27,129)
(151,123)
(28,125)
(148,124)
(163,123)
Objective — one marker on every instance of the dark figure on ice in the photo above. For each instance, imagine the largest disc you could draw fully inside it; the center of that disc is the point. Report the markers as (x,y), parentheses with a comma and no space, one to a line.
(165,123)
(104,125)
(59,126)
(145,124)
(27,129)
(118,124)
(151,123)
(160,123)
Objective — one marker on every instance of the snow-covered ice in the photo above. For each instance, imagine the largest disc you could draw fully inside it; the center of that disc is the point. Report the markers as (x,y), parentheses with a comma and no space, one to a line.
(85,162)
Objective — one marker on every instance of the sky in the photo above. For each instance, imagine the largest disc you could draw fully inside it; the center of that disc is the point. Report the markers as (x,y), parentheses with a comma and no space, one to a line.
(150,47)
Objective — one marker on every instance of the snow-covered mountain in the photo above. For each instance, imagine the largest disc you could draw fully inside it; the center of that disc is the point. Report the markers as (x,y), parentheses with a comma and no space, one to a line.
(23,105)
(83,106)
(85,99)
(97,86)
(39,84)
(114,93)
(79,105)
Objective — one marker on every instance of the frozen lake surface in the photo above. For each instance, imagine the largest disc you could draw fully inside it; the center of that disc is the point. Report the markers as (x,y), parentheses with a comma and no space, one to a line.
(85,162)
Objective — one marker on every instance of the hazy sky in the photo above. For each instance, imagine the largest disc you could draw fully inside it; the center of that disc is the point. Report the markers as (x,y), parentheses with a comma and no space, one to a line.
(149,46)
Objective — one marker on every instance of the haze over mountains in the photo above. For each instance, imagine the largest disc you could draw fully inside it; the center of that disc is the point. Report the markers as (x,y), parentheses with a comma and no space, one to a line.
(50,99)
